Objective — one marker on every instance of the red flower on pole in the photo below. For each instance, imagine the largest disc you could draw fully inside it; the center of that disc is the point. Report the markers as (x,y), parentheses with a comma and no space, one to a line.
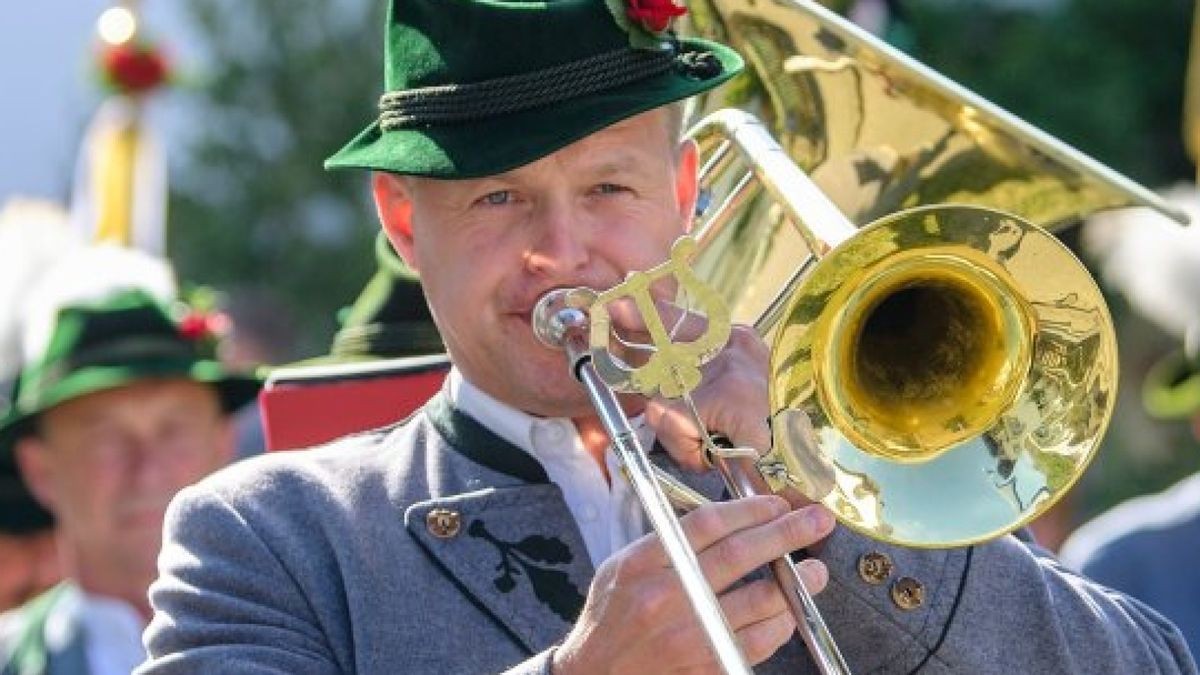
(133,67)
(653,15)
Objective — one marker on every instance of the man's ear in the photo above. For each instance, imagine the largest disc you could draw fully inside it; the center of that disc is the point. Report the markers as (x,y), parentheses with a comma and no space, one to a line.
(394,206)
(36,470)
(687,182)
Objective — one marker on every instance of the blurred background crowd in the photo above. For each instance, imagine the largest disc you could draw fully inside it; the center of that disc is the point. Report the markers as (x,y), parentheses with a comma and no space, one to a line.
(239,101)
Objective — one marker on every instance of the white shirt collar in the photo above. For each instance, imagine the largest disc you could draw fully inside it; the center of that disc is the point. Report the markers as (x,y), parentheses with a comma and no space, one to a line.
(608,516)
(506,422)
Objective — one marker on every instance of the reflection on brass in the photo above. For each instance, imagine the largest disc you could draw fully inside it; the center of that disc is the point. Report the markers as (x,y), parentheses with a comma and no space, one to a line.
(894,132)
(913,341)
(908,593)
(793,442)
(942,368)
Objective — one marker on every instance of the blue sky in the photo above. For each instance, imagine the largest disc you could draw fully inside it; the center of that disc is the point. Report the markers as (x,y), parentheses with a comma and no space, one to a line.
(47,94)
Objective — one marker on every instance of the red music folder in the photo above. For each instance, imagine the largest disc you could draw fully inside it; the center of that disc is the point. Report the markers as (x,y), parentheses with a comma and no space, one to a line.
(309,405)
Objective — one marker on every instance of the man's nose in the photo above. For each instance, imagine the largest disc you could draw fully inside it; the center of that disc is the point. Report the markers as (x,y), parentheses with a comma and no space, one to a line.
(148,464)
(560,242)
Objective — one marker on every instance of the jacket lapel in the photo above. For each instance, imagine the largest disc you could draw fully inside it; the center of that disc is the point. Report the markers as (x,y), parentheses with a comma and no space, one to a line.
(516,551)
(513,546)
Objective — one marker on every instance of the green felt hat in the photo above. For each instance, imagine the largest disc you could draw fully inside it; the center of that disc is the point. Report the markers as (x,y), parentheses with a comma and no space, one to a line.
(125,338)
(1171,389)
(479,87)
(389,319)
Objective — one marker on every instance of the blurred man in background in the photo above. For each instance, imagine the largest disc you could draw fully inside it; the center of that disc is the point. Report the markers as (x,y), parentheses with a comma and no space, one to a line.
(1147,546)
(121,404)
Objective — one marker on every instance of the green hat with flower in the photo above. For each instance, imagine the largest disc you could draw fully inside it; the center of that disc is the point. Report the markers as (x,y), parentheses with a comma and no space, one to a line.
(479,87)
(126,337)
(389,319)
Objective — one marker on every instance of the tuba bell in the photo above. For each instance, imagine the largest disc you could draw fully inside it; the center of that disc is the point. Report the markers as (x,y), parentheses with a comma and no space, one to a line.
(877,132)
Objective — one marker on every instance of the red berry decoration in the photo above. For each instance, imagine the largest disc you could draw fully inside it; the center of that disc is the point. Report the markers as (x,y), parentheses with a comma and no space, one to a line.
(194,326)
(203,326)
(133,68)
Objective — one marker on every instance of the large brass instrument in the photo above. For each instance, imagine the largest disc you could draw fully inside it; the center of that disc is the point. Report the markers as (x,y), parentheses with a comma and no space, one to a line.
(949,357)
(942,367)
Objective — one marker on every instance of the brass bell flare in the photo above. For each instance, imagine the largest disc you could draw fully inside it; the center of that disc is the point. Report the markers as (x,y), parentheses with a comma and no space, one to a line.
(942,377)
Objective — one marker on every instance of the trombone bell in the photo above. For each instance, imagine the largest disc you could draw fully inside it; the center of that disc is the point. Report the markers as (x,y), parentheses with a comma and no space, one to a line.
(923,352)
(955,370)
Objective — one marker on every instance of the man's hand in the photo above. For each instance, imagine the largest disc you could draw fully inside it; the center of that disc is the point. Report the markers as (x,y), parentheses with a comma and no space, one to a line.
(732,401)
(637,618)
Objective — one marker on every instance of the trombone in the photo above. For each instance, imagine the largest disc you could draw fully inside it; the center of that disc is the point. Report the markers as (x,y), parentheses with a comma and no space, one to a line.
(934,348)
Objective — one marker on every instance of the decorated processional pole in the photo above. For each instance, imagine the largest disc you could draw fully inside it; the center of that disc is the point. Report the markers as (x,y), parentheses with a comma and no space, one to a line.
(120,191)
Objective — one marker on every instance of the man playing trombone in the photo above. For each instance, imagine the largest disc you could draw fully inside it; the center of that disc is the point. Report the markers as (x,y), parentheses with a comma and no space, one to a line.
(521,148)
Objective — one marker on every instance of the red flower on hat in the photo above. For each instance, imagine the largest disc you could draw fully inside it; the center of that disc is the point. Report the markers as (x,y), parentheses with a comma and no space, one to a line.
(203,326)
(653,15)
(133,68)
(646,22)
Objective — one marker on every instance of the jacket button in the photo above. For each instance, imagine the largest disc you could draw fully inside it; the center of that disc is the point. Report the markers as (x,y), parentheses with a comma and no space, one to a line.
(908,593)
(443,523)
(874,568)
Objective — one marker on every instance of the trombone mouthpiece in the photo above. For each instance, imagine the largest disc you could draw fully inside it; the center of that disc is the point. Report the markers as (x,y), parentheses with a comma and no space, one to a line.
(552,317)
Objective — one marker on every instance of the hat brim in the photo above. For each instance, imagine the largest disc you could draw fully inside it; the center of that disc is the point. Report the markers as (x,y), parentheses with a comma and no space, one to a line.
(489,147)
(1172,388)
(233,390)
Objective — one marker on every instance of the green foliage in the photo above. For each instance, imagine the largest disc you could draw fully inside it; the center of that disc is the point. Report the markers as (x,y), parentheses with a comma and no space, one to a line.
(1106,76)
(291,81)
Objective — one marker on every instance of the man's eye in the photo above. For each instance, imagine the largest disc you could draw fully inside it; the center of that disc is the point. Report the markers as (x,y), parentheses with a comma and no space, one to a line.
(610,188)
(497,198)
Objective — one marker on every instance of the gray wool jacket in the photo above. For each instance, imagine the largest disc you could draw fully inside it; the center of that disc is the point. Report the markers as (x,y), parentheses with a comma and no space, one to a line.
(436,547)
